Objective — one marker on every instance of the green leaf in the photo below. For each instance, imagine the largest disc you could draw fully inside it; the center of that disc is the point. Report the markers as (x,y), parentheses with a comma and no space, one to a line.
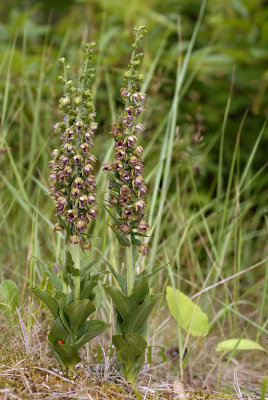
(65,322)
(57,332)
(116,221)
(87,291)
(77,313)
(112,176)
(130,339)
(140,291)
(92,329)
(135,322)
(48,300)
(187,313)
(238,344)
(69,280)
(148,274)
(61,299)
(53,277)
(67,355)
(135,241)
(96,276)
(123,304)
(121,281)
(74,271)
(70,265)
(131,353)
(9,294)
(51,274)
(90,265)
(121,237)
(69,260)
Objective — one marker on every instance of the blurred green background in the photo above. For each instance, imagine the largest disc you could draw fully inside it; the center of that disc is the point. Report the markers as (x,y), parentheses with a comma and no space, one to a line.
(233,35)
(232,41)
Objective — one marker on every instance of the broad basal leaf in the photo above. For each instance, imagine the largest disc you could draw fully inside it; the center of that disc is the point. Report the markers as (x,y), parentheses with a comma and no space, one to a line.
(67,355)
(187,313)
(130,339)
(57,332)
(131,353)
(92,329)
(77,313)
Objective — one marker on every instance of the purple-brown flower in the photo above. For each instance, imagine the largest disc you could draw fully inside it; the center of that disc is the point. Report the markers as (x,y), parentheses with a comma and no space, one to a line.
(71,168)
(128,186)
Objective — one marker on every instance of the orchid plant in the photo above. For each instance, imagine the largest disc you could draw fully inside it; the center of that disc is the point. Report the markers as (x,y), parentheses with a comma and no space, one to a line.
(73,188)
(133,301)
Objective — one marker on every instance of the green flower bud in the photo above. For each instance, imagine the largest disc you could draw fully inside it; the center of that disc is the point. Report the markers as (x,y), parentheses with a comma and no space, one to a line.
(65,101)
(58,227)
(77,101)
(86,245)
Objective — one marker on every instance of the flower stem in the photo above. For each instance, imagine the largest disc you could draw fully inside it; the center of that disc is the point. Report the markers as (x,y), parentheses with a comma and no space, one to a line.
(77,278)
(129,262)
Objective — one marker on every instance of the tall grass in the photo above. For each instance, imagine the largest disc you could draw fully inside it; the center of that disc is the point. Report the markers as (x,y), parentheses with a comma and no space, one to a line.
(208,225)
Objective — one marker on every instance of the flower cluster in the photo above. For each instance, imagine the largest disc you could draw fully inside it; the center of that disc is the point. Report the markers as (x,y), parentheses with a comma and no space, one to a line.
(73,183)
(127,185)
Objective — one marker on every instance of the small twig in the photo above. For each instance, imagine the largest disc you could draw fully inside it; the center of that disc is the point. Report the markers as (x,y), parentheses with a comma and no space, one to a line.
(53,373)
(237,387)
(9,394)
(24,332)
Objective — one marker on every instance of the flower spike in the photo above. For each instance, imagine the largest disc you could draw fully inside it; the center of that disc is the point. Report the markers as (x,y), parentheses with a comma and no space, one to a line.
(72,177)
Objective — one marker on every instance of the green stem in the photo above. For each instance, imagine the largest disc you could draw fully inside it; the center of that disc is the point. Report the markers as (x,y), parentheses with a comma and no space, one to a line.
(136,390)
(77,278)
(129,262)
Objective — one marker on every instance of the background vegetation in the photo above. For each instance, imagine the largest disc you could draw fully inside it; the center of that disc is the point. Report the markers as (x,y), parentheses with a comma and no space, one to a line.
(204,146)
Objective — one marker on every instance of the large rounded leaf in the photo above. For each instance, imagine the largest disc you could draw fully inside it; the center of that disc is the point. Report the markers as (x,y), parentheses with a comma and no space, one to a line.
(238,344)
(187,313)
